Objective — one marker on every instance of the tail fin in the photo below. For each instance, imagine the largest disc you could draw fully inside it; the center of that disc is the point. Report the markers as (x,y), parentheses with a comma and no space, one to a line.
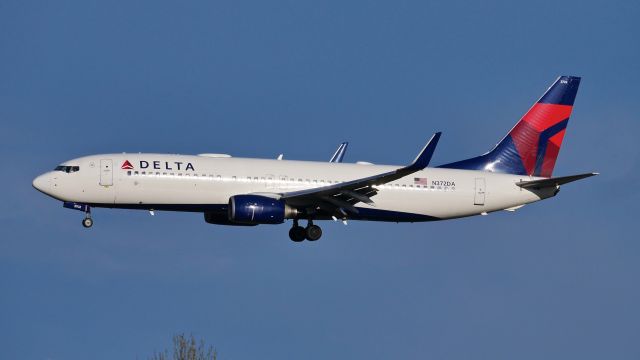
(532,146)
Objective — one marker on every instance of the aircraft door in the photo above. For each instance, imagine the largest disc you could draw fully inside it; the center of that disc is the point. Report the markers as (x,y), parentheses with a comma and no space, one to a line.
(106,172)
(480,192)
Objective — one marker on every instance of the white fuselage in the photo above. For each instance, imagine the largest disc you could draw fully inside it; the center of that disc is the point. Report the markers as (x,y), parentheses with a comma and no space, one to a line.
(199,183)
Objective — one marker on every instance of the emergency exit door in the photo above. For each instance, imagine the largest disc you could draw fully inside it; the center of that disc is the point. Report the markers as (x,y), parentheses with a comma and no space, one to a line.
(106,172)
(480,191)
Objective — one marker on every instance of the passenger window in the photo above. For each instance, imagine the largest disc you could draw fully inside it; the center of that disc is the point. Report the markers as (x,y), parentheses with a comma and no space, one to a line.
(67,169)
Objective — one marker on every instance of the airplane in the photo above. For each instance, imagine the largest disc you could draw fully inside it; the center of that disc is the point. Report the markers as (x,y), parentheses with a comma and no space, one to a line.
(248,192)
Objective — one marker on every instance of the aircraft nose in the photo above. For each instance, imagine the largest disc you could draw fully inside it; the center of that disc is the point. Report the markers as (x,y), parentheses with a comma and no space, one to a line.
(41,183)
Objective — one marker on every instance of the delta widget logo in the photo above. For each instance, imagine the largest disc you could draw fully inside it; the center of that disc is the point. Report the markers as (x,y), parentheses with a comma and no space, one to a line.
(126,165)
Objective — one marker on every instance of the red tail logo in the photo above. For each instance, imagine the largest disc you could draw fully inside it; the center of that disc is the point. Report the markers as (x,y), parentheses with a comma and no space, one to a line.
(126,165)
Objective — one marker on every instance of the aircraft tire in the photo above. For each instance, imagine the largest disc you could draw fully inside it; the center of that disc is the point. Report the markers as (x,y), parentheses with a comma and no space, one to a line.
(87,222)
(297,233)
(313,232)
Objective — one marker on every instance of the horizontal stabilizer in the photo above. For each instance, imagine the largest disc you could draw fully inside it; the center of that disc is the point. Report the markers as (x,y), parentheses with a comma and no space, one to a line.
(552,182)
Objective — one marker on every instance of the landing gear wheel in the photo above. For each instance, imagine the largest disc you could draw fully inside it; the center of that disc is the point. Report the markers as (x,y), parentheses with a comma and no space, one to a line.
(297,233)
(313,232)
(87,222)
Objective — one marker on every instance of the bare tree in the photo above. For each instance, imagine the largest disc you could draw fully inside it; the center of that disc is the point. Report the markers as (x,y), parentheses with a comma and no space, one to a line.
(187,348)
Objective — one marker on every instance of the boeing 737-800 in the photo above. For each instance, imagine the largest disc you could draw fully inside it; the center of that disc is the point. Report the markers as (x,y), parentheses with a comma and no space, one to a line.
(241,191)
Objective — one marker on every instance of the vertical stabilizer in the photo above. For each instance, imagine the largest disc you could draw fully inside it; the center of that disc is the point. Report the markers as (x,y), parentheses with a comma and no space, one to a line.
(532,146)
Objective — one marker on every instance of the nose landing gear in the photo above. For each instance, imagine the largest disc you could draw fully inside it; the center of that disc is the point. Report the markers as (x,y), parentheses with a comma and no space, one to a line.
(87,221)
(298,233)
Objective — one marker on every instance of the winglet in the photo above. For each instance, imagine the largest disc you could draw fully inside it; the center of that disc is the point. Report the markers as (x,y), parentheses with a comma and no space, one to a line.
(422,160)
(339,154)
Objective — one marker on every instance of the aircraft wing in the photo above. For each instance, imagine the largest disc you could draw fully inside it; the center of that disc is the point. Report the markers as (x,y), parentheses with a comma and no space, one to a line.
(345,195)
(339,154)
(552,182)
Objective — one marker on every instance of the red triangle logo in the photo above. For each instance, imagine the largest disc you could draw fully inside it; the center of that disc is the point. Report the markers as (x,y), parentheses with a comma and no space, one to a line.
(126,165)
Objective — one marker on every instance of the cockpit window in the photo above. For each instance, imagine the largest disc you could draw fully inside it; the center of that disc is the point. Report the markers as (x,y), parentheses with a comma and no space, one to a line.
(67,169)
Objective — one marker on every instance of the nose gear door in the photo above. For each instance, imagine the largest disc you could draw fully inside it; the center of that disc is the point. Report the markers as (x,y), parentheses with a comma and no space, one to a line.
(106,172)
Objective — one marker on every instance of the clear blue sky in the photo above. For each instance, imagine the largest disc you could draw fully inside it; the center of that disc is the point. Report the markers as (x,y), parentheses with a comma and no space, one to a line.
(555,280)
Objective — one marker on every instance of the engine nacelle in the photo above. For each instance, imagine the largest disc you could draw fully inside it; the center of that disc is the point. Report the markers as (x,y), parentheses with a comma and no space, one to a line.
(221,217)
(256,209)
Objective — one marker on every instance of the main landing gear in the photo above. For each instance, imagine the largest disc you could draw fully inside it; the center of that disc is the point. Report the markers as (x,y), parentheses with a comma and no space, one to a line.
(311,232)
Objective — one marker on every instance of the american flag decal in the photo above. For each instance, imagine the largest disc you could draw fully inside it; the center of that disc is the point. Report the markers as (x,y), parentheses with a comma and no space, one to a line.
(420,181)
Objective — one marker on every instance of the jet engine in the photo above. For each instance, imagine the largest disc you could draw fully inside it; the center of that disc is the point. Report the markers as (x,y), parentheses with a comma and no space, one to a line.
(256,209)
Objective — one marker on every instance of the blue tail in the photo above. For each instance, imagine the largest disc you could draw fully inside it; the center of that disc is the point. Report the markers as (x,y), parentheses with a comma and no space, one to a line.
(532,146)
